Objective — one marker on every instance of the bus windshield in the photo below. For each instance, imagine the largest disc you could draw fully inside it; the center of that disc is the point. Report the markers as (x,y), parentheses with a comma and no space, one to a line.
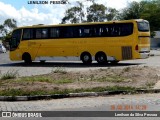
(15,39)
(143,26)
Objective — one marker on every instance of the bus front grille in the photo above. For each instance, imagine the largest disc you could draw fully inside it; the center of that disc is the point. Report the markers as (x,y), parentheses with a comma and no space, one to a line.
(126,52)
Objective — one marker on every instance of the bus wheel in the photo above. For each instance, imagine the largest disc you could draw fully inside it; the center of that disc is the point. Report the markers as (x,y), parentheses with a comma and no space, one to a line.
(101,58)
(27,58)
(86,58)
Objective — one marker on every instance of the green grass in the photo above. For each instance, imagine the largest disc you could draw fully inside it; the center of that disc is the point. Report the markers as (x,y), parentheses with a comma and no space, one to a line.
(28,80)
(109,78)
(49,79)
(63,81)
(35,79)
(11,85)
(21,92)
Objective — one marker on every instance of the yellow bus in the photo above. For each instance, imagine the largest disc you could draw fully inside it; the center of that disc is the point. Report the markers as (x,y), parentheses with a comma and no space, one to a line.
(102,41)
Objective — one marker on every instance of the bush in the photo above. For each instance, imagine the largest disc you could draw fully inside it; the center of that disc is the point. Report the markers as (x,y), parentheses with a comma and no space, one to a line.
(9,75)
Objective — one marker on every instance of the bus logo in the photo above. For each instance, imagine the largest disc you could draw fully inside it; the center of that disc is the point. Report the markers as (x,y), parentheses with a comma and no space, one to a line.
(6,114)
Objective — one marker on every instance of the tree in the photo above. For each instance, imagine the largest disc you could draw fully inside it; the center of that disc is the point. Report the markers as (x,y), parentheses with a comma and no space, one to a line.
(96,13)
(7,26)
(11,23)
(100,13)
(74,14)
(147,9)
(132,11)
(111,14)
(151,13)
(2,30)
(5,30)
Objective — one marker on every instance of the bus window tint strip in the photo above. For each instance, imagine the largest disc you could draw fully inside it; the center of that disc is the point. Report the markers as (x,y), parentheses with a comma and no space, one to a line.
(103,30)
(81,31)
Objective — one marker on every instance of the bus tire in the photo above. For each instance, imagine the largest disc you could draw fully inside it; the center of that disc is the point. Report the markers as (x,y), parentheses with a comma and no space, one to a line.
(101,58)
(27,58)
(86,58)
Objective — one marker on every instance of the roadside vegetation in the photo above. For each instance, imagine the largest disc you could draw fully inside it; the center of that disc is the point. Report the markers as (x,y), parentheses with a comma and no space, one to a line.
(60,81)
(9,75)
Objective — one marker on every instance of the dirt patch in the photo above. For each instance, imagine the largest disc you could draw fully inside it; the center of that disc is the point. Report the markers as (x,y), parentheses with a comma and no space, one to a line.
(137,77)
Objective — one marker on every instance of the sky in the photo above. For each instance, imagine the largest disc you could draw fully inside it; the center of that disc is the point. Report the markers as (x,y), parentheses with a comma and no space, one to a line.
(31,14)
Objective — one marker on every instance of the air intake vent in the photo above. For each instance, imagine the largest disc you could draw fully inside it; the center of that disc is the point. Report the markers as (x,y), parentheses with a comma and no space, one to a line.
(126,52)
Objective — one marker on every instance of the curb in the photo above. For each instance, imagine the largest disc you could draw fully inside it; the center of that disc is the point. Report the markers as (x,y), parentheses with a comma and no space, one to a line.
(71,95)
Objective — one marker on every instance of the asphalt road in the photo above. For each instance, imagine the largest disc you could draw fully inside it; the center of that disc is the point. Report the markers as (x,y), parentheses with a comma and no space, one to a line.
(38,68)
(145,102)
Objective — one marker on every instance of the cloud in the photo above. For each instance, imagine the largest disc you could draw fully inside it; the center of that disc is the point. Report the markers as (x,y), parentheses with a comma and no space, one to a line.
(48,14)
(29,17)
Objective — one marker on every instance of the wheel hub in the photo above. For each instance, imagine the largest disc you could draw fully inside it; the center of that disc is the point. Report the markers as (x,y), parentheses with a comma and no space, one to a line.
(86,58)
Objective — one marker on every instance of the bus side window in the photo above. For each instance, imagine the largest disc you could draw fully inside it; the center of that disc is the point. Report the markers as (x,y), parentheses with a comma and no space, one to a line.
(123,30)
(116,30)
(27,34)
(38,33)
(111,30)
(81,32)
(128,28)
(86,32)
(44,33)
(70,32)
(106,30)
(76,33)
(120,30)
(94,31)
(66,32)
(41,33)
(54,32)
(98,31)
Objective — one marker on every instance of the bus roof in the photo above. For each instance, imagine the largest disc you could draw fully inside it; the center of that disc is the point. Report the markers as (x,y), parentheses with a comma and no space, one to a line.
(76,24)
